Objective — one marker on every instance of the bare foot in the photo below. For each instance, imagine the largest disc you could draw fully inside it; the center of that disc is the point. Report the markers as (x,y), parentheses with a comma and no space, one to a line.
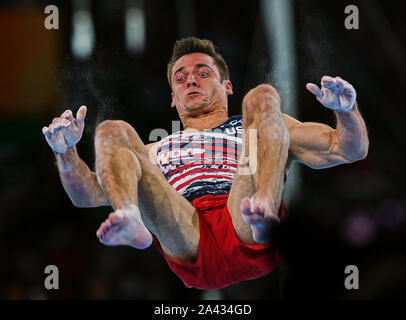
(257,213)
(125,227)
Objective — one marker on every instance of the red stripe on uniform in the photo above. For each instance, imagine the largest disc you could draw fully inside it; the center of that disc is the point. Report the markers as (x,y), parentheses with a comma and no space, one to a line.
(197,171)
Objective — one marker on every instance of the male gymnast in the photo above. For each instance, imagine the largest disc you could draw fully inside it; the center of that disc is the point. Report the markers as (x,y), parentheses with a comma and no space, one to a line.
(207,208)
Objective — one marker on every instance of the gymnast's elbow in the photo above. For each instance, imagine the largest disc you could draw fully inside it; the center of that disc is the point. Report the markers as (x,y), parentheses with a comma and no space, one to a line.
(358,154)
(364,153)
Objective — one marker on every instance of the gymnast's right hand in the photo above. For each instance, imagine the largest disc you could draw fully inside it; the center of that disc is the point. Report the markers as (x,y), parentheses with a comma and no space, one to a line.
(64,132)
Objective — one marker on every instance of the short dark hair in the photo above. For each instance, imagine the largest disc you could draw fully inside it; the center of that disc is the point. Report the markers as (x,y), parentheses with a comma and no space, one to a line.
(192,45)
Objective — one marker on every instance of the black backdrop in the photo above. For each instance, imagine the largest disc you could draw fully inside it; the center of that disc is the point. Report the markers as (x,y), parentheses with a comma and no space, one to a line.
(348,215)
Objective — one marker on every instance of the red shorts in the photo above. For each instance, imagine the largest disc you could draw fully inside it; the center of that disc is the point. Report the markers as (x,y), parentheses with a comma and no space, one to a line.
(222,259)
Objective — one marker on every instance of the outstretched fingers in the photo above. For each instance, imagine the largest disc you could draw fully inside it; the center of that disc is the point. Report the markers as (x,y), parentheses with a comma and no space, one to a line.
(58,126)
(337,85)
(314,89)
(81,114)
(67,115)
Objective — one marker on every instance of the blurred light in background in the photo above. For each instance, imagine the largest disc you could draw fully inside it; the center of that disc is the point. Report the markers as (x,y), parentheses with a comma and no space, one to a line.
(134,27)
(279,28)
(29,63)
(359,229)
(211,295)
(83,37)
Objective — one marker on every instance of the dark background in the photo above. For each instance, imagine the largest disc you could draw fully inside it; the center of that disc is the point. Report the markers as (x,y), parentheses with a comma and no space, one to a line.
(347,215)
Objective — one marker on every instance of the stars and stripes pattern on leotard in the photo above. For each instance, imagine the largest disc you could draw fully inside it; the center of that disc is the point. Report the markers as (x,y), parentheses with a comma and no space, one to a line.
(200,163)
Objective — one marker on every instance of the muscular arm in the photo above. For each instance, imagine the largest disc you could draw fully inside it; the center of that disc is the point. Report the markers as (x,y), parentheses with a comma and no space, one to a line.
(319,146)
(79,182)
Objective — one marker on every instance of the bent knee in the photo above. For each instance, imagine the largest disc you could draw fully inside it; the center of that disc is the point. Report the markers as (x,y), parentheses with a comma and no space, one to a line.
(112,126)
(265,88)
(117,129)
(111,133)
(261,97)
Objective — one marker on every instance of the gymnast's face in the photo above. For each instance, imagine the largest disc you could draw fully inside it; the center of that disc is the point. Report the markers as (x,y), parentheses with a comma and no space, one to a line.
(197,87)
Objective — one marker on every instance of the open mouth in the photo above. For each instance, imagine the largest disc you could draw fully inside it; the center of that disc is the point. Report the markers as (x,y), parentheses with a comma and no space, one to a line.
(193,93)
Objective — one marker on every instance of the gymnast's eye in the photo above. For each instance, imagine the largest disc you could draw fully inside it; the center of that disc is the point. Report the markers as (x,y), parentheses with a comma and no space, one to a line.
(203,74)
(180,79)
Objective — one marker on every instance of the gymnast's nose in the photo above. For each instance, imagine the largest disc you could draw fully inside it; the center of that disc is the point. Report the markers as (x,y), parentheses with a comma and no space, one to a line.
(191,81)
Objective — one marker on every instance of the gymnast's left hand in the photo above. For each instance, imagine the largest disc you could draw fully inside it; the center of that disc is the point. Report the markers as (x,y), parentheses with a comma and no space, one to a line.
(335,93)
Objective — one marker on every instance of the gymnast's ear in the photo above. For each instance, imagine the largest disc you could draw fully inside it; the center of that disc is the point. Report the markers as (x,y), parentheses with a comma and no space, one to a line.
(173,100)
(229,87)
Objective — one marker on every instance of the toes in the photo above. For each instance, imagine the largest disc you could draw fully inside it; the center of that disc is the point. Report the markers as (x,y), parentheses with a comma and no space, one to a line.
(115,218)
(100,234)
(259,210)
(100,231)
(103,229)
(245,206)
(252,219)
(107,224)
(249,208)
(109,227)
